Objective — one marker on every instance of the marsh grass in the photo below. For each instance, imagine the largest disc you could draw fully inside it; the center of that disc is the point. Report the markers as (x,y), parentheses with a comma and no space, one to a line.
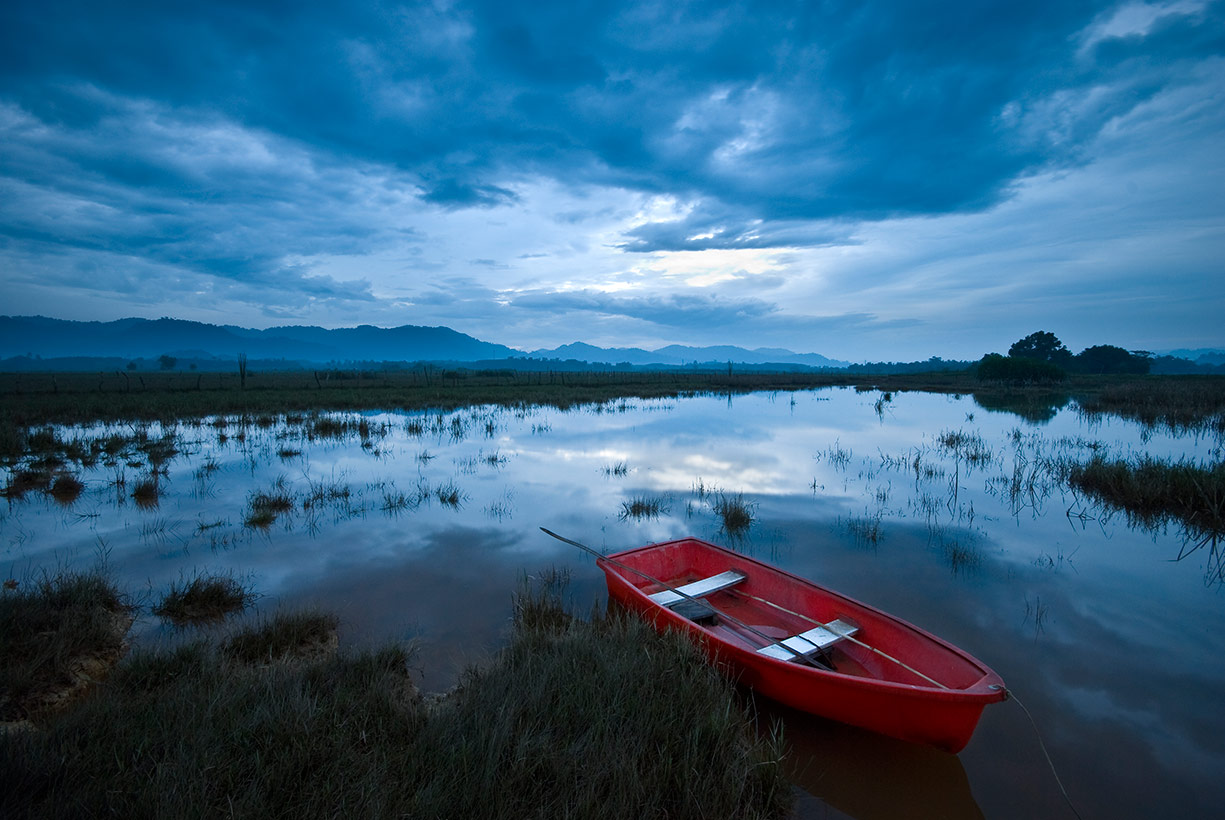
(450,495)
(643,507)
(735,512)
(203,599)
(286,635)
(147,492)
(1188,404)
(24,480)
(866,529)
(53,631)
(263,507)
(1152,490)
(599,719)
(969,447)
(66,488)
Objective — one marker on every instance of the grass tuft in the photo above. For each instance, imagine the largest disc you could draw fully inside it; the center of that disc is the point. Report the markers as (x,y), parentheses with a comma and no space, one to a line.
(736,513)
(285,635)
(203,599)
(67,488)
(643,507)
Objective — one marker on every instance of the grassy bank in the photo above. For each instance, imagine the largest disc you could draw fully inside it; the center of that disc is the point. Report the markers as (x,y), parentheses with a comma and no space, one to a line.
(56,632)
(591,719)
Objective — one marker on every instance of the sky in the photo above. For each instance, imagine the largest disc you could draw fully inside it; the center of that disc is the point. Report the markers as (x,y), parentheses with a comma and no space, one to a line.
(866,180)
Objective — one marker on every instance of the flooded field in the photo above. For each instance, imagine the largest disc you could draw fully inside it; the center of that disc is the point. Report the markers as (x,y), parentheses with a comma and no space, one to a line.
(953,516)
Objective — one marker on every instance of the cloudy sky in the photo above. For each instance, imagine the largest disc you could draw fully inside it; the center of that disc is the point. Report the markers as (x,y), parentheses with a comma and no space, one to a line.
(867,179)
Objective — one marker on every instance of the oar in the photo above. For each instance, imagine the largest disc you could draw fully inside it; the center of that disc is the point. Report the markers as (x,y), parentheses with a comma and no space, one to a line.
(799,655)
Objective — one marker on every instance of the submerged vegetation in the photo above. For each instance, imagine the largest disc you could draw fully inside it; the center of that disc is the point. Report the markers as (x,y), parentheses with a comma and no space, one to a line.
(595,719)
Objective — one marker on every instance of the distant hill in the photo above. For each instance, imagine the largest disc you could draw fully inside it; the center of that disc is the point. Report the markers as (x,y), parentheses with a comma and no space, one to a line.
(1202,356)
(682,355)
(150,338)
(38,337)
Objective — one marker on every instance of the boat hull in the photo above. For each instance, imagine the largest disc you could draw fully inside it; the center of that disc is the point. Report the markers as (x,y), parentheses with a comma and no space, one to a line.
(892,695)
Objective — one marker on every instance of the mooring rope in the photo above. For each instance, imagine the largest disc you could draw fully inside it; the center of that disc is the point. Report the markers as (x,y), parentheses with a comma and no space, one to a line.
(1042,745)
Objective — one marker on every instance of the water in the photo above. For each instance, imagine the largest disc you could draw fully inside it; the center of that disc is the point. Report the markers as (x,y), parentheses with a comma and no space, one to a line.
(421,527)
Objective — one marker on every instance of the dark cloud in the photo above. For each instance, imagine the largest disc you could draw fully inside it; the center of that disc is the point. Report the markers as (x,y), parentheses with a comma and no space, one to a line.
(673,311)
(198,193)
(713,226)
(785,111)
(241,141)
(452,194)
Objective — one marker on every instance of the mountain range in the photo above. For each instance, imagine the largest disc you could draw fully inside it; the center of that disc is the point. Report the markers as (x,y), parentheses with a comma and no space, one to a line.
(42,337)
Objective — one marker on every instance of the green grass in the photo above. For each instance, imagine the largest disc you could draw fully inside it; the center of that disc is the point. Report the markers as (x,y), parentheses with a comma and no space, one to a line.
(49,628)
(203,599)
(583,719)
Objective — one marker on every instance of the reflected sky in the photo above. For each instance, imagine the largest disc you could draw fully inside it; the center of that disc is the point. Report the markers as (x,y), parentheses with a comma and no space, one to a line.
(930,507)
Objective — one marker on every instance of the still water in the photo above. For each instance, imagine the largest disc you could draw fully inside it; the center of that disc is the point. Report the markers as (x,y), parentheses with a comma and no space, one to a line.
(931,507)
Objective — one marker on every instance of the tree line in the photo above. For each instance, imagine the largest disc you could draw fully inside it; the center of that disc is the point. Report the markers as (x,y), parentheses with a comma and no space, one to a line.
(1041,358)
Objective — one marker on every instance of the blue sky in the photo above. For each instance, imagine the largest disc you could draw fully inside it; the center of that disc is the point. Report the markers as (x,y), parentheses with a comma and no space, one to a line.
(867,180)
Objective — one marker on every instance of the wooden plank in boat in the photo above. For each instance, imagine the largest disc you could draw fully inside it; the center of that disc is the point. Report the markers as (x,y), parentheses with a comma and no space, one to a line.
(809,643)
(699,589)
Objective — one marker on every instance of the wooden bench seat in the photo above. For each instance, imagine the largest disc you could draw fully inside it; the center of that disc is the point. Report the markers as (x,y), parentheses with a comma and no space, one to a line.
(698,589)
(809,643)
(697,610)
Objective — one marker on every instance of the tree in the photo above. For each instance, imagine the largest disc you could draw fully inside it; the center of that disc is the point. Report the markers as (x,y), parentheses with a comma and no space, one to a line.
(1018,370)
(1111,359)
(1041,346)
(167,362)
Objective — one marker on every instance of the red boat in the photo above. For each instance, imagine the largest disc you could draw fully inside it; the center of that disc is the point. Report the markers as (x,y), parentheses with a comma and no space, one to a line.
(805,645)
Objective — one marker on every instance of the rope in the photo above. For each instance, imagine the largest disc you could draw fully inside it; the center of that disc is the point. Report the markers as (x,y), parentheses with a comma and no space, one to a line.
(1049,762)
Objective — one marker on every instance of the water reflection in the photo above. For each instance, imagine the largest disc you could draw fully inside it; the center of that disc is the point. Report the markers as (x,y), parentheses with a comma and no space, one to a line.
(1035,408)
(420,526)
(867,776)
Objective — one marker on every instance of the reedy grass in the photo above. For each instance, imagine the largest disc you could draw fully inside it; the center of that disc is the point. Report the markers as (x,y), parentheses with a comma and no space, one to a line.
(599,719)
(1152,490)
(203,599)
(735,512)
(642,507)
(66,488)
